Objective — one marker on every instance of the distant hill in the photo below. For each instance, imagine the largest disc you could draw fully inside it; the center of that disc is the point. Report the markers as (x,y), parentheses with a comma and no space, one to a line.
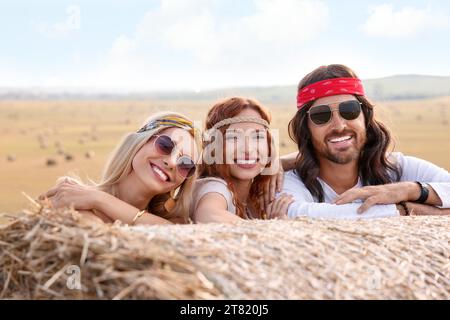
(397,87)
(400,87)
(407,87)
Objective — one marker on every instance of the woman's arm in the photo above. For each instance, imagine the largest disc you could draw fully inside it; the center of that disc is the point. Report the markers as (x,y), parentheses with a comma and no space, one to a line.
(70,193)
(212,207)
(117,209)
(97,216)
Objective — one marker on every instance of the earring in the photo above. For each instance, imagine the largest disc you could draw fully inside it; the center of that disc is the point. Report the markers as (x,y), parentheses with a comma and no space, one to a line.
(172,201)
(174,192)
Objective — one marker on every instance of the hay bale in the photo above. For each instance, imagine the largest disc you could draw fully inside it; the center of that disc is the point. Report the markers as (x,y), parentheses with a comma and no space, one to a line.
(396,258)
(50,162)
(89,154)
(38,248)
(11,158)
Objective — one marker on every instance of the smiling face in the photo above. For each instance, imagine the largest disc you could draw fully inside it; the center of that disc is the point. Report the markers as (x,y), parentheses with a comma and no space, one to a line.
(246,147)
(339,141)
(159,172)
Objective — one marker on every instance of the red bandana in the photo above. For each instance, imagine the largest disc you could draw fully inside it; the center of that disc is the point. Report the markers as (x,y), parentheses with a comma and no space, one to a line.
(329,87)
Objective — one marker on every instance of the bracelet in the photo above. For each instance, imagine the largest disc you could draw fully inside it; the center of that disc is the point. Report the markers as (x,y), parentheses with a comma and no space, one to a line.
(423,193)
(137,216)
(405,207)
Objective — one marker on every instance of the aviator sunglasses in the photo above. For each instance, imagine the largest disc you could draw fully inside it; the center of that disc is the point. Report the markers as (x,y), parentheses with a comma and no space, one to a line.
(165,146)
(322,114)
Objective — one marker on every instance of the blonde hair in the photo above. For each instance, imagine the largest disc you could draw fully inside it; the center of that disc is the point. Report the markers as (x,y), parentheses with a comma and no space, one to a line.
(119,165)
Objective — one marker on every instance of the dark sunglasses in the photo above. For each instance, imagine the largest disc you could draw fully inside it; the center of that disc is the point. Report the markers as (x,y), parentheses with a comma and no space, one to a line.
(322,114)
(185,165)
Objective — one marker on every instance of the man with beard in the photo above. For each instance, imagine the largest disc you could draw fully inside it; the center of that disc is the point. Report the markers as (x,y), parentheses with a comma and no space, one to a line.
(343,167)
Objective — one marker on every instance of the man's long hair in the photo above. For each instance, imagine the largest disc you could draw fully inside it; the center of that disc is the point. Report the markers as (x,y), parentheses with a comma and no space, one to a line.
(374,166)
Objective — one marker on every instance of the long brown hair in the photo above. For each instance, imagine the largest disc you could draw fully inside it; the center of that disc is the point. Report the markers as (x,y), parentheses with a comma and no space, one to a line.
(230,108)
(374,166)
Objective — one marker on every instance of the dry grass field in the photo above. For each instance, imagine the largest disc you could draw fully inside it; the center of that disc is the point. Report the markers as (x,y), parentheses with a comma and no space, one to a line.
(77,136)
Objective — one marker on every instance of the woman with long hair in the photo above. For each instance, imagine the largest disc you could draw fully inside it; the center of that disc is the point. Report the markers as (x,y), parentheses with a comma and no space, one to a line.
(148,178)
(235,173)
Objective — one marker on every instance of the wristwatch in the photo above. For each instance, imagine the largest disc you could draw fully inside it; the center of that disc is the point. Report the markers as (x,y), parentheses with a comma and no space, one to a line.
(424,192)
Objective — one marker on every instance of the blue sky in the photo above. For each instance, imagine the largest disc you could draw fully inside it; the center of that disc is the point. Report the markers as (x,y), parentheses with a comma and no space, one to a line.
(203,44)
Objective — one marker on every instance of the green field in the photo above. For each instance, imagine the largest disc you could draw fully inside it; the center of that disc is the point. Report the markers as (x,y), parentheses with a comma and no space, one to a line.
(421,128)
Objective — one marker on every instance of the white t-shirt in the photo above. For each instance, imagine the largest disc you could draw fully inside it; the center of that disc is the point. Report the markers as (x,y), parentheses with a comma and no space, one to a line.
(413,169)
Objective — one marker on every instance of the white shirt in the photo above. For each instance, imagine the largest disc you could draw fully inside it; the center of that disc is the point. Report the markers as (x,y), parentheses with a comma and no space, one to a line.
(414,169)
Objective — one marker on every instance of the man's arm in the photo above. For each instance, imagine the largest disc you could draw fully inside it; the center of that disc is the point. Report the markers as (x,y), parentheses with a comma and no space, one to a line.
(305,205)
(415,169)
(288,161)
(417,209)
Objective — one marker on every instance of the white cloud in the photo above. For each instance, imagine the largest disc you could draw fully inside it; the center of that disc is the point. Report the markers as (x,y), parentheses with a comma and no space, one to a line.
(72,22)
(287,20)
(123,45)
(195,35)
(187,43)
(385,21)
(191,44)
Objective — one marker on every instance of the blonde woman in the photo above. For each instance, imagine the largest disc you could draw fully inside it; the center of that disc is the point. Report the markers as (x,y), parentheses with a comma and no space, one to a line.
(147,180)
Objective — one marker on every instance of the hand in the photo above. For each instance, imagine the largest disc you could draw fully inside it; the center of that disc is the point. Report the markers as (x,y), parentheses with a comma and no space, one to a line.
(69,192)
(382,194)
(275,185)
(279,207)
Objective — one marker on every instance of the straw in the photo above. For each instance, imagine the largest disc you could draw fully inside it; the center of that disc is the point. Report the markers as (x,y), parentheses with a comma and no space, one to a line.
(394,258)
